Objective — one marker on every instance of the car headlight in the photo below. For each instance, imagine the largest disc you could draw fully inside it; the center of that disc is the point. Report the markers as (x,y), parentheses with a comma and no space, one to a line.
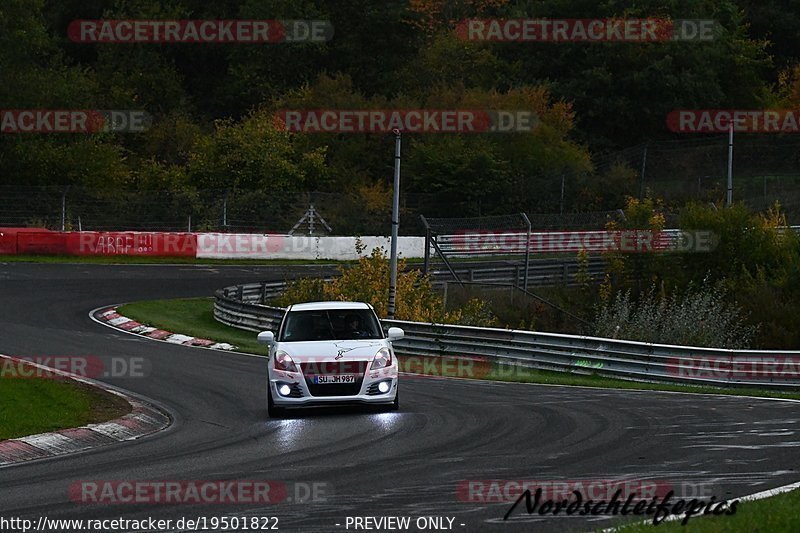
(382,359)
(284,362)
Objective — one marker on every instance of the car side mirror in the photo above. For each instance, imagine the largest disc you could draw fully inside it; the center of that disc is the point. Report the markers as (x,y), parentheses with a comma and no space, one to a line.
(266,337)
(395,334)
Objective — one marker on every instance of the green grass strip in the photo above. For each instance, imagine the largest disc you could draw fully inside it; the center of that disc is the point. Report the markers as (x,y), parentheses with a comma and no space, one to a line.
(777,513)
(37,405)
(190,316)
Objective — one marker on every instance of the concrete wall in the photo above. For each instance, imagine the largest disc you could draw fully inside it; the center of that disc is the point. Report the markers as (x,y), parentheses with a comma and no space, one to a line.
(272,246)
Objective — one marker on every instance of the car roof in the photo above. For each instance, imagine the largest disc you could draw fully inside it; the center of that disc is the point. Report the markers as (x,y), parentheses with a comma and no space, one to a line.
(321,306)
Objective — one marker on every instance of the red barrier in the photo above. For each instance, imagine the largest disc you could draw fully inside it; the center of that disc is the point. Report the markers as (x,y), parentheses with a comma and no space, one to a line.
(8,238)
(8,241)
(8,244)
(131,243)
(41,242)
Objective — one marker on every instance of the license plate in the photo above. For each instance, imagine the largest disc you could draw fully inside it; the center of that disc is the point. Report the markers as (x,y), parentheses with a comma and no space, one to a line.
(334,378)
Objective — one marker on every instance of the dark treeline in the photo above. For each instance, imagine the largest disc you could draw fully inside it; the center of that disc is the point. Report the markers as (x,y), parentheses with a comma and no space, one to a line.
(213,104)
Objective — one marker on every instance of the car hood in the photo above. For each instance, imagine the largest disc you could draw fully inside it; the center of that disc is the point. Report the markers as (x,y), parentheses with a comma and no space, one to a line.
(351,350)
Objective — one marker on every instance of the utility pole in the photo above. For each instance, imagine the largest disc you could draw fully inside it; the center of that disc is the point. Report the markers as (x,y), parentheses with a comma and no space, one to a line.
(395,224)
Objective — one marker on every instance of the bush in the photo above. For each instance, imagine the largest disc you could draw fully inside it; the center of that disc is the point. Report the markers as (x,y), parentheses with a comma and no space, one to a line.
(475,312)
(778,310)
(624,268)
(747,243)
(696,317)
(367,281)
(302,290)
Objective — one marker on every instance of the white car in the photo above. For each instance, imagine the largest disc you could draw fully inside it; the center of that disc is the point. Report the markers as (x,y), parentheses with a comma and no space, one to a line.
(330,353)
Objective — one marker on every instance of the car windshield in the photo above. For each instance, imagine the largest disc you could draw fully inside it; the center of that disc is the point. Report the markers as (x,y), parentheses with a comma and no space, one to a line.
(330,324)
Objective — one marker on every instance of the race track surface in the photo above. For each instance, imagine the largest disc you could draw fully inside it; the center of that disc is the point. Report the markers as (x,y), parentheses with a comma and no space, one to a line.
(409,463)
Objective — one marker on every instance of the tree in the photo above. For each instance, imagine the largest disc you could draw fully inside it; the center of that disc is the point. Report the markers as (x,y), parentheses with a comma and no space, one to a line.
(255,154)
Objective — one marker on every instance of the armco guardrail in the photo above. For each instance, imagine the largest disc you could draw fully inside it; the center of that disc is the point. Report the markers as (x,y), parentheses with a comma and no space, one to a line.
(541,272)
(491,243)
(550,351)
(239,306)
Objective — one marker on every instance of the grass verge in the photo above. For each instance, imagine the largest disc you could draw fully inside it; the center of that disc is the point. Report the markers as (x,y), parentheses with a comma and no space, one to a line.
(524,375)
(777,513)
(190,316)
(37,405)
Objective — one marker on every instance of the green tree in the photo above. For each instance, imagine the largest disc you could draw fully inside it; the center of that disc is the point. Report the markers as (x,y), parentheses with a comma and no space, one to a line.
(622,92)
(255,154)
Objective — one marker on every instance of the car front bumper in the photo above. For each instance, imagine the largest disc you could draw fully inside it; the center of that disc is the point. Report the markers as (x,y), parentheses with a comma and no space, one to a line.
(303,395)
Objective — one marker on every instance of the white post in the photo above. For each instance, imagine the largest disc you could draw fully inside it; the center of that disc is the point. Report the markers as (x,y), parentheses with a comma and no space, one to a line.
(395,225)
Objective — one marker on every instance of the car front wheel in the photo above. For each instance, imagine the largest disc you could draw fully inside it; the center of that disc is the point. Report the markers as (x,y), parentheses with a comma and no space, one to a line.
(273,410)
(395,405)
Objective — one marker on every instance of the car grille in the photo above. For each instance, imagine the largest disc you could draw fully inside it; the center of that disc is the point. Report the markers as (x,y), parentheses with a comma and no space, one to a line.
(334,389)
(334,368)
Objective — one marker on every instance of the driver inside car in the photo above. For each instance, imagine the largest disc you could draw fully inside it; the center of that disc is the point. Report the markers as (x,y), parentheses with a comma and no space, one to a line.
(354,327)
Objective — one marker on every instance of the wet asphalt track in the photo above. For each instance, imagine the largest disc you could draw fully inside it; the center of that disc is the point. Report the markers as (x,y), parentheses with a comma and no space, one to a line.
(408,463)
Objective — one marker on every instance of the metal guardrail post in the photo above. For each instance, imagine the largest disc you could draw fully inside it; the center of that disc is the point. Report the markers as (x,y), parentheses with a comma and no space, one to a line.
(427,245)
(446,262)
(64,208)
(527,249)
(730,363)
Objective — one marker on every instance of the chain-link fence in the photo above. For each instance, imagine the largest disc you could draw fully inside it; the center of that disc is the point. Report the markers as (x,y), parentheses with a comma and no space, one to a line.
(80,208)
(766,169)
(245,211)
(522,222)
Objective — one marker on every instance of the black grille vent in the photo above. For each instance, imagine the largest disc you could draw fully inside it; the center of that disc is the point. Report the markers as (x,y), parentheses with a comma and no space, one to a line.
(334,389)
(372,390)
